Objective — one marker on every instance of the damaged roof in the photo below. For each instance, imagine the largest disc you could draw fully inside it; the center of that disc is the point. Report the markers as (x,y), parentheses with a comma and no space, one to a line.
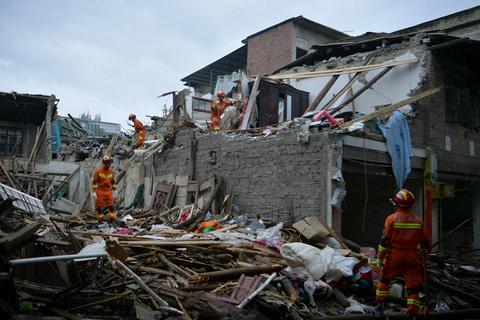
(207,76)
(466,50)
(26,108)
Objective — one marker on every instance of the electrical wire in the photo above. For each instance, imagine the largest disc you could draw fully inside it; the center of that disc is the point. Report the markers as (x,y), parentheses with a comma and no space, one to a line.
(468,184)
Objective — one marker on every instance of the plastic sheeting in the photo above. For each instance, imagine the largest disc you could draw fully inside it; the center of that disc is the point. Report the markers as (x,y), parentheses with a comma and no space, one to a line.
(227,83)
(304,259)
(399,145)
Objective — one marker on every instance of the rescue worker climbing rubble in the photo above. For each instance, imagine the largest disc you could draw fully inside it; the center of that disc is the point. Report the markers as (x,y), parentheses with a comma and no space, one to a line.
(397,253)
(139,129)
(103,183)
(218,108)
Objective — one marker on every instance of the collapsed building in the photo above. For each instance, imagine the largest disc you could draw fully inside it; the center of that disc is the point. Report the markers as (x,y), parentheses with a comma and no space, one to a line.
(311,136)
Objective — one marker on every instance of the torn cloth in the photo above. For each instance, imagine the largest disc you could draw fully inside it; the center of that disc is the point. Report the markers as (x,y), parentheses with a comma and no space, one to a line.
(399,145)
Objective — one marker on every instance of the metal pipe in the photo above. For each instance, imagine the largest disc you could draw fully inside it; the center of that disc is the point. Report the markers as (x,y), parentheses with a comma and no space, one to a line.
(57,258)
(253,295)
(142,284)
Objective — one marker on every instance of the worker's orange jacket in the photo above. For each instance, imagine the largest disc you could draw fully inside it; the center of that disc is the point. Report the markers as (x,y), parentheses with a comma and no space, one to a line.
(103,183)
(217,109)
(140,130)
(405,232)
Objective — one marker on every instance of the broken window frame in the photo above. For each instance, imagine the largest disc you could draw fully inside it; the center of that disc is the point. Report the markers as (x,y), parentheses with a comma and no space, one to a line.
(462,105)
(199,106)
(9,139)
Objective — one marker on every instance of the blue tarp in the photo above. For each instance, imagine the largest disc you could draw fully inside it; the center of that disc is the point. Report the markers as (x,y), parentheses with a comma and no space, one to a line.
(399,145)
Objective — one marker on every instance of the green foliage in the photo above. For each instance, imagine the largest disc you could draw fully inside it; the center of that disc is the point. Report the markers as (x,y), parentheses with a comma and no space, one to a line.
(86,115)
(27,307)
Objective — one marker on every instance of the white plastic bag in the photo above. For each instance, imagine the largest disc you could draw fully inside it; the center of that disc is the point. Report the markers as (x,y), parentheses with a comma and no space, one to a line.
(270,233)
(355,306)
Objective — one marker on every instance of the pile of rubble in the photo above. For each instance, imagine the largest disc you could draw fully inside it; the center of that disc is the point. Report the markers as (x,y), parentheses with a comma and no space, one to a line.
(201,260)
(182,262)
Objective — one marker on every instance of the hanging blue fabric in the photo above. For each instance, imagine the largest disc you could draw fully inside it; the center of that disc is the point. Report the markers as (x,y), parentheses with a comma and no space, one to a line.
(399,145)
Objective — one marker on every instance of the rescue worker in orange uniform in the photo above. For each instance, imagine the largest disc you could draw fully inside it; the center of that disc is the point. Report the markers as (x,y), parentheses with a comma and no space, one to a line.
(397,252)
(218,108)
(103,183)
(139,129)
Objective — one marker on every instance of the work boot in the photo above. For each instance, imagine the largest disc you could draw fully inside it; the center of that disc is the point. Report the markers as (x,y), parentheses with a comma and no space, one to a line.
(378,310)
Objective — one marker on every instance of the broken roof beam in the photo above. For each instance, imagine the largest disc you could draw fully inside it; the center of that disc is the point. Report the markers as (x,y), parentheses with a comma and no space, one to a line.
(114,139)
(7,174)
(232,273)
(321,94)
(346,88)
(77,124)
(362,90)
(36,142)
(14,241)
(391,107)
(324,73)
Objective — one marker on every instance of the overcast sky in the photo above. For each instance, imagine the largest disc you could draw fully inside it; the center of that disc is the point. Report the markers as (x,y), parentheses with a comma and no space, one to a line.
(115,57)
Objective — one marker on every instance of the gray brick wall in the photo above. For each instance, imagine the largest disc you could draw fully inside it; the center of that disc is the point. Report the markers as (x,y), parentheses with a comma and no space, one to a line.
(429,127)
(264,173)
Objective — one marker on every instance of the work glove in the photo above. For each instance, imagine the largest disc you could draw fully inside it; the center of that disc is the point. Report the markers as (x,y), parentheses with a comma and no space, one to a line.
(115,194)
(233,102)
(94,195)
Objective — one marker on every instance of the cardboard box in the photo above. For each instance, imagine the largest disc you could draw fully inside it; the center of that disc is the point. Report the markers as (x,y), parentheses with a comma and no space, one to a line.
(311,228)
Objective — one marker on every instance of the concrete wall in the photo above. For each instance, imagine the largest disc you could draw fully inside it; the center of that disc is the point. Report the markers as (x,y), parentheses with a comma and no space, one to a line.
(270,50)
(264,173)
(305,38)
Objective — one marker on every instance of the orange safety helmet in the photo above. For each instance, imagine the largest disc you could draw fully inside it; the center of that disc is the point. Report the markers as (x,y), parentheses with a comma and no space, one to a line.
(131,117)
(221,94)
(107,159)
(404,198)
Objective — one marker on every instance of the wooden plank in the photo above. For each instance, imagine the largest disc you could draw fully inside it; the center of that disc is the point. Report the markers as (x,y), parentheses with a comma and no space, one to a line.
(250,104)
(391,108)
(325,73)
(36,142)
(321,94)
(166,243)
(333,234)
(362,90)
(15,147)
(7,174)
(12,241)
(346,88)
(109,149)
(47,199)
